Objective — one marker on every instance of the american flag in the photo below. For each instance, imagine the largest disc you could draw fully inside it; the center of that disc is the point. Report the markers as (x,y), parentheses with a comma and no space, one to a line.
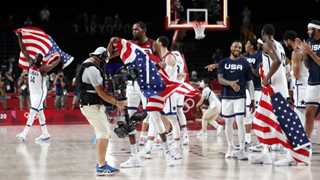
(276,123)
(37,41)
(154,83)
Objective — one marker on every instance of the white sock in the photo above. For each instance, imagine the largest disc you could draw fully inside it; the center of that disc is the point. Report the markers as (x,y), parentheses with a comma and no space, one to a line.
(42,119)
(248,138)
(177,144)
(133,149)
(165,147)
(148,146)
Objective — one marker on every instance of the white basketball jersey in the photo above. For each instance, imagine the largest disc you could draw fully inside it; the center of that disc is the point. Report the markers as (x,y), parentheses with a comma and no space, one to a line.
(278,80)
(180,63)
(37,82)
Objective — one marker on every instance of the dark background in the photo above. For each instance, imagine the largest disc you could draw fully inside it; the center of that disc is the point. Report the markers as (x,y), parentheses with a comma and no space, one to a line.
(282,13)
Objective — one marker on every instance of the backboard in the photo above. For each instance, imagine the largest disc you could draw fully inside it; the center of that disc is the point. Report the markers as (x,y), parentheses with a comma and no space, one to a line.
(181,14)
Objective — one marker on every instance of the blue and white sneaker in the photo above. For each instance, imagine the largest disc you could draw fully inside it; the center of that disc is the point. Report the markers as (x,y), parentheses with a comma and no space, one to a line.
(106,170)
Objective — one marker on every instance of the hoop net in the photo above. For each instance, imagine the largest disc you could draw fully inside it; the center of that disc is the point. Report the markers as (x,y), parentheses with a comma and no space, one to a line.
(199,28)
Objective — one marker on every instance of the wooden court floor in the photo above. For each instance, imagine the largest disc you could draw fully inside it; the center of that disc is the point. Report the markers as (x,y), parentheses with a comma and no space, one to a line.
(70,154)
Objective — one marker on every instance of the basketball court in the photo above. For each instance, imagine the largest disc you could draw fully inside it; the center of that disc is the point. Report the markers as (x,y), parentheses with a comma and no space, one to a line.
(71,151)
(70,154)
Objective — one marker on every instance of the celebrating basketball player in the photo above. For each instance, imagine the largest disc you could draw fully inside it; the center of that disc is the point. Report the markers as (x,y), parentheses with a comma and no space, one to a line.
(234,74)
(38,91)
(312,53)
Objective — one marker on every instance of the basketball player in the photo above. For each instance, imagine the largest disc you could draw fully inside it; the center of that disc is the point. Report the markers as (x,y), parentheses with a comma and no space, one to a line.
(38,91)
(234,74)
(170,109)
(300,73)
(211,114)
(254,58)
(135,96)
(183,76)
(155,90)
(169,112)
(139,33)
(312,55)
(182,71)
(273,65)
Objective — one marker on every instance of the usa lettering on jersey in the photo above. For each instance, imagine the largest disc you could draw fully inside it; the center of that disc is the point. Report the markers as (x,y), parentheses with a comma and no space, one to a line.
(315,47)
(233,67)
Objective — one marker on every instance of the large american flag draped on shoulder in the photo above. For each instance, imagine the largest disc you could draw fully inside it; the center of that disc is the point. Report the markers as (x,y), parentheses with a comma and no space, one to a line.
(154,83)
(276,123)
(37,41)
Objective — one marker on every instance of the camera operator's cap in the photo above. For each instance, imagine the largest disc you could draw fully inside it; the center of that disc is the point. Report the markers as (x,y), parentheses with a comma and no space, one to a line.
(98,51)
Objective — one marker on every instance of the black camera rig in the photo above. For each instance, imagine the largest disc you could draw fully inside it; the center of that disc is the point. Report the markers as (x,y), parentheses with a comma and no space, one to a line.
(116,85)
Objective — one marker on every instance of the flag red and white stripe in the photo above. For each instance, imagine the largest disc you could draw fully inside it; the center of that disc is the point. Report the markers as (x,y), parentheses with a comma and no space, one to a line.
(268,130)
(128,54)
(36,41)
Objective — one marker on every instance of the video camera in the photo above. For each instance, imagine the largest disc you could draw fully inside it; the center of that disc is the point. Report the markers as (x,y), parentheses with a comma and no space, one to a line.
(126,127)
(117,84)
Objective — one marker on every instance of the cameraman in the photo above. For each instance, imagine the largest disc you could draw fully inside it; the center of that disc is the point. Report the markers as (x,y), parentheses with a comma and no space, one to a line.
(91,83)
(59,84)
(23,89)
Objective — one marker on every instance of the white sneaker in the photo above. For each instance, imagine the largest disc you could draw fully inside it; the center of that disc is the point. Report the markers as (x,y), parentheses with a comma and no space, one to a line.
(286,162)
(256,148)
(264,158)
(21,137)
(145,154)
(276,147)
(236,147)
(177,153)
(220,130)
(185,140)
(171,160)
(202,134)
(241,155)
(132,162)
(43,137)
(230,153)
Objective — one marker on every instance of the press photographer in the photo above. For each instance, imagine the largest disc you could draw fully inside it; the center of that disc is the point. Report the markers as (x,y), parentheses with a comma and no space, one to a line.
(92,97)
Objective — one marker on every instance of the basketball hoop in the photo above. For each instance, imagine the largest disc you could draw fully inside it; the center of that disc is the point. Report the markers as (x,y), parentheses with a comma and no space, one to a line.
(199,28)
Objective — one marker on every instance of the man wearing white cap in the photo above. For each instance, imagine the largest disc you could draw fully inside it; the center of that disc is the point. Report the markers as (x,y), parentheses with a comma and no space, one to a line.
(311,49)
(91,83)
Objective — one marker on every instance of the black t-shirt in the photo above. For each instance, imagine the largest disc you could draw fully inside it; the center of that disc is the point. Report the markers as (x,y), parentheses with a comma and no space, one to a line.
(233,70)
